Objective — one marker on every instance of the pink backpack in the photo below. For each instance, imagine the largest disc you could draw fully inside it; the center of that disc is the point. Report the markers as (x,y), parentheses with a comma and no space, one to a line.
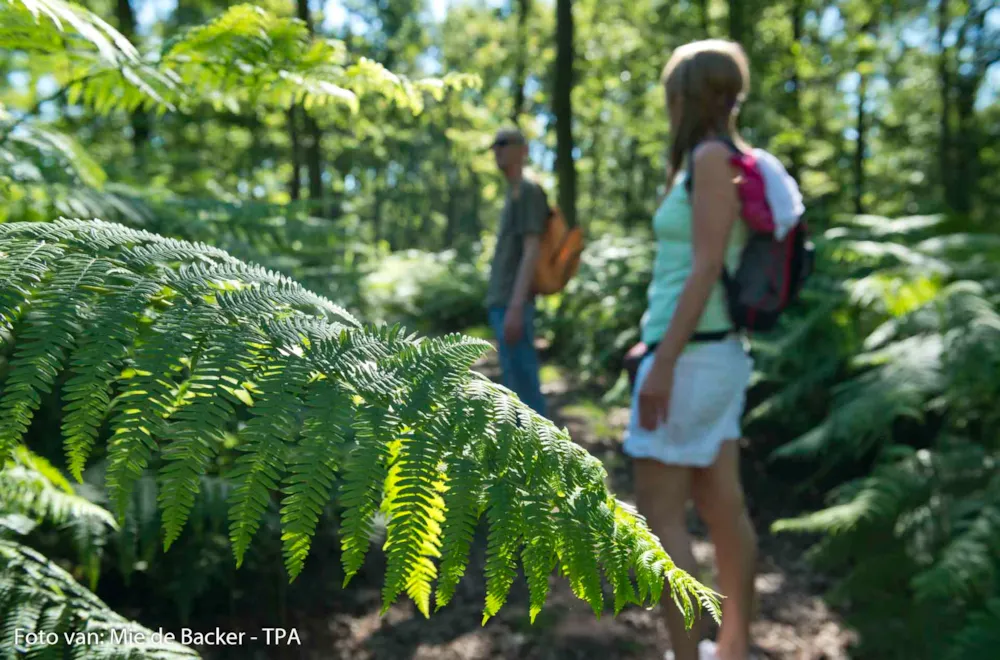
(771,270)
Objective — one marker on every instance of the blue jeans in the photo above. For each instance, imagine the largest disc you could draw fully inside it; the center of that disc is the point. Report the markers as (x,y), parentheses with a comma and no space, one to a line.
(519,362)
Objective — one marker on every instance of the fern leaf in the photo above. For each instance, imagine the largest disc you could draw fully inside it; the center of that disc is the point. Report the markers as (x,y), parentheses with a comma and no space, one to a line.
(434,445)
(259,469)
(878,500)
(50,331)
(539,552)
(222,366)
(312,469)
(503,542)
(362,483)
(463,493)
(414,507)
(37,595)
(98,357)
(980,637)
(968,565)
(32,486)
(576,550)
(148,398)
(22,266)
(615,542)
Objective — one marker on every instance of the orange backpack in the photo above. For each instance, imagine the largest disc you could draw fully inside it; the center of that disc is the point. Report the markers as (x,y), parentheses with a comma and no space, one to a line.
(559,254)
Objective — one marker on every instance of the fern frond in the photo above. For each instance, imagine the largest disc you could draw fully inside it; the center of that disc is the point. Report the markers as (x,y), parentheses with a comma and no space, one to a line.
(96,361)
(504,540)
(312,468)
(902,377)
(615,545)
(434,443)
(147,400)
(95,63)
(968,565)
(268,434)
(463,498)
(875,500)
(34,487)
(415,510)
(539,552)
(576,550)
(50,330)
(37,595)
(66,17)
(362,483)
(29,152)
(22,267)
(980,638)
(219,372)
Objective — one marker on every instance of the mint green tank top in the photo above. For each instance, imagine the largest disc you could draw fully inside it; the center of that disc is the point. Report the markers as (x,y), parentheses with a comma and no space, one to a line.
(672,266)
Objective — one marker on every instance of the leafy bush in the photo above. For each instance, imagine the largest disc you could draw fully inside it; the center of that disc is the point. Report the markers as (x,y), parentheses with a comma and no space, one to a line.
(36,594)
(434,292)
(896,366)
(170,344)
(595,320)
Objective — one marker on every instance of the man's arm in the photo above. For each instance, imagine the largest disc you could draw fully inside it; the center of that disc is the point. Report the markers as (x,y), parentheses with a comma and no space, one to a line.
(525,271)
(531,223)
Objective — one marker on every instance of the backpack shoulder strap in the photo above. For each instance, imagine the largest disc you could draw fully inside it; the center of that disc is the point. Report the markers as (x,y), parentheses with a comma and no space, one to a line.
(689,181)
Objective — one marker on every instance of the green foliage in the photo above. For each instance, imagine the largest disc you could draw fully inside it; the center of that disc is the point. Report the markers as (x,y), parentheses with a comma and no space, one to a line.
(37,595)
(914,330)
(214,336)
(608,298)
(441,292)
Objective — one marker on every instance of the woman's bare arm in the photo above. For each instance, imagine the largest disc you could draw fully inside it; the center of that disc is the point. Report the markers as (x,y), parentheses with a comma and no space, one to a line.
(715,207)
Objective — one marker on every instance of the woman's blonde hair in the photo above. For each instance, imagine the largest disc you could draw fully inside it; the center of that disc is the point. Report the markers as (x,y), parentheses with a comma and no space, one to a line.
(705,81)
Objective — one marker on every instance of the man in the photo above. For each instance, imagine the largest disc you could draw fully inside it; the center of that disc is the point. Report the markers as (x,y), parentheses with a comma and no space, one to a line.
(509,299)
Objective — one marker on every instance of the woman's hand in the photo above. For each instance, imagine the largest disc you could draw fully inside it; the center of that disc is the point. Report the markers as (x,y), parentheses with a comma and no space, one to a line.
(654,395)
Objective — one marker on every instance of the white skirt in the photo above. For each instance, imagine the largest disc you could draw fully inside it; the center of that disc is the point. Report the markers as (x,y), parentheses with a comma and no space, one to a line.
(706,405)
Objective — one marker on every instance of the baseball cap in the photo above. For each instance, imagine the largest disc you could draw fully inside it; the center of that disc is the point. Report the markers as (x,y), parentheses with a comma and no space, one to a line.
(507,136)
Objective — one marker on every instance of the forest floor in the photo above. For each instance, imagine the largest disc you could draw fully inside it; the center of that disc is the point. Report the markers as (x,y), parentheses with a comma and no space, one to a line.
(792,621)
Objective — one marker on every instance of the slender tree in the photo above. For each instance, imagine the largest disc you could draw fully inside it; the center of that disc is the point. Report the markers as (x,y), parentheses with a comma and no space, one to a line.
(139,119)
(798,12)
(520,73)
(944,80)
(313,137)
(737,21)
(562,106)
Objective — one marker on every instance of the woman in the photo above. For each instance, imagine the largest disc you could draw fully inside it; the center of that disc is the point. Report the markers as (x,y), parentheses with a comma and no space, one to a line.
(690,386)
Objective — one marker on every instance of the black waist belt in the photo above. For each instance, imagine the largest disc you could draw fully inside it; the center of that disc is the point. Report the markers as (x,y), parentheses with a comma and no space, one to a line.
(697,338)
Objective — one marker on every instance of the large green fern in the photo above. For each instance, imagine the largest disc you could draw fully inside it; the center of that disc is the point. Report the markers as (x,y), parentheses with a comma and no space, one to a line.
(908,348)
(201,343)
(45,612)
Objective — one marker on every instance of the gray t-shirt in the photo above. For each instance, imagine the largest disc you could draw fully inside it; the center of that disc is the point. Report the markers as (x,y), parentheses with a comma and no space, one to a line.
(520,217)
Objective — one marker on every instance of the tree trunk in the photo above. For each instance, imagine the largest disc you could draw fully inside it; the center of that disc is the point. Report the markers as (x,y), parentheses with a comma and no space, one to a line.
(861,146)
(295,185)
(967,164)
(520,72)
(703,7)
(967,143)
(313,135)
(562,107)
(737,21)
(944,78)
(139,119)
(798,10)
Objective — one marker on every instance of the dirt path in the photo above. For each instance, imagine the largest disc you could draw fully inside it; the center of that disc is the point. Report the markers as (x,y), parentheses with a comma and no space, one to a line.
(793,622)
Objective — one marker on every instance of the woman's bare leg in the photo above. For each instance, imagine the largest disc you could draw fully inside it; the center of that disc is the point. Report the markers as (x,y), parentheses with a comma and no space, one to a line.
(662,493)
(718,496)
